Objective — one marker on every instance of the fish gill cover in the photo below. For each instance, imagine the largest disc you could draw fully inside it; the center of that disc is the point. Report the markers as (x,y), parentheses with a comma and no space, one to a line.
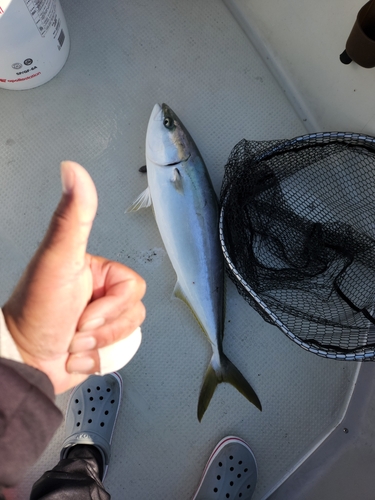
(297,228)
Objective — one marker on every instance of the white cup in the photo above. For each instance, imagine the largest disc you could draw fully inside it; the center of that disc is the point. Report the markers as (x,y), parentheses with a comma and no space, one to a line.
(34,42)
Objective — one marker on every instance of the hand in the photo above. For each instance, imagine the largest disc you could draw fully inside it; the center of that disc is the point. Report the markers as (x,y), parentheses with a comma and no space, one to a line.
(68,304)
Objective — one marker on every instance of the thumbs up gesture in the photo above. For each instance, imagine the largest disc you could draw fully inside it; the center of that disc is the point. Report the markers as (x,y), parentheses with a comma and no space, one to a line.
(69,304)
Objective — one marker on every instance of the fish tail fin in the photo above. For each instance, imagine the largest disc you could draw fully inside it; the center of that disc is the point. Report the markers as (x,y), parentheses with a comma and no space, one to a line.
(233,376)
(208,388)
(225,371)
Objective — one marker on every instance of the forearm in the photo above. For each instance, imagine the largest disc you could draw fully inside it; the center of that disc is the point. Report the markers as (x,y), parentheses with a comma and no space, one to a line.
(28,414)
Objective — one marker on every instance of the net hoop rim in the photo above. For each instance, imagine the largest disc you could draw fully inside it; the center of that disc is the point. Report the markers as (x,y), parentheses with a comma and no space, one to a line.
(366,354)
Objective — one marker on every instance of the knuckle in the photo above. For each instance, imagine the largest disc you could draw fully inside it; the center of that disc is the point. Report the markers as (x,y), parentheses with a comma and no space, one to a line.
(138,285)
(122,326)
(142,313)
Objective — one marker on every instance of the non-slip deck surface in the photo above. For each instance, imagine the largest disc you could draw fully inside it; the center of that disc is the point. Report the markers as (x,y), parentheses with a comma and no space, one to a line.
(125,57)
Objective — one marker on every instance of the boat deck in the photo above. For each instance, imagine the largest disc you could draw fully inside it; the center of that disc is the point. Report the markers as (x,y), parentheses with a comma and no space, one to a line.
(233,70)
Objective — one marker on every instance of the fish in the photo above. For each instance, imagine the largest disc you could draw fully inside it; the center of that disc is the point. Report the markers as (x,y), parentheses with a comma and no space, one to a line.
(186,210)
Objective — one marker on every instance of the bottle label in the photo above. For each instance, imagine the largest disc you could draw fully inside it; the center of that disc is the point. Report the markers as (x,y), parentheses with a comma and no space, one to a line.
(43,13)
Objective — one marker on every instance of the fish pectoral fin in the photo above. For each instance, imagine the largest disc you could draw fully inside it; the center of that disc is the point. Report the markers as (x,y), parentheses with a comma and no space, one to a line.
(176,180)
(143,201)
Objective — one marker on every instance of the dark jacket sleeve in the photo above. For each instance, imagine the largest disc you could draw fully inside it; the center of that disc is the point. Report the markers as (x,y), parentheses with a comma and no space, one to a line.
(28,418)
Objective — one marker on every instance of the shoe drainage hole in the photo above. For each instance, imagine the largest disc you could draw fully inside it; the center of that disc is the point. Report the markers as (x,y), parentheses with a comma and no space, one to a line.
(231,483)
(92,409)
(240,495)
(112,401)
(218,478)
(88,390)
(245,470)
(91,398)
(220,464)
(101,398)
(98,388)
(89,420)
(227,495)
(231,469)
(76,401)
(101,424)
(238,475)
(248,486)
(215,490)
(240,462)
(231,458)
(106,412)
(79,412)
(108,390)
(78,424)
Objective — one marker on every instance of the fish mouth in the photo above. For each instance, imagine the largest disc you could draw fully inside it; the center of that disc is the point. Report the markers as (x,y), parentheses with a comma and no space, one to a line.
(178,162)
(157,113)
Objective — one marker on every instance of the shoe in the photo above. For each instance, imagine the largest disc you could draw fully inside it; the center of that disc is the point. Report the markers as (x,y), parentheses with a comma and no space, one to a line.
(92,413)
(231,472)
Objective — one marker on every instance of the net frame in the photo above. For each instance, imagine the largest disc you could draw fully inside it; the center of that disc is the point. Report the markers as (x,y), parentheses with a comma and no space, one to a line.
(330,352)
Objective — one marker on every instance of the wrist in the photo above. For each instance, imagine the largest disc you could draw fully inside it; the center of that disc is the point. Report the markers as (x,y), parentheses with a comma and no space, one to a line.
(8,346)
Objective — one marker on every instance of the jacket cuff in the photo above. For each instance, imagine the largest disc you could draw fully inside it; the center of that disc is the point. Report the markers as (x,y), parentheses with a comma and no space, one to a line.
(28,418)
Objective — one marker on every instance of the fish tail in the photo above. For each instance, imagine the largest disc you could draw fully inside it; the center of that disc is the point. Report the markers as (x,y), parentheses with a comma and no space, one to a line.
(224,371)
(208,388)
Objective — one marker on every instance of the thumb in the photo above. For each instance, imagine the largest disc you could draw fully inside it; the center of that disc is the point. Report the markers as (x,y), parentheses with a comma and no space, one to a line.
(69,229)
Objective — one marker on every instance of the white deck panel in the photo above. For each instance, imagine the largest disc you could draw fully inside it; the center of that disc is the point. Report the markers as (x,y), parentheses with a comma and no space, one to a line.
(125,57)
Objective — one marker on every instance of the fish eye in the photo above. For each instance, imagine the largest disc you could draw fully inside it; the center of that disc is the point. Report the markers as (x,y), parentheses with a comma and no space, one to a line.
(168,122)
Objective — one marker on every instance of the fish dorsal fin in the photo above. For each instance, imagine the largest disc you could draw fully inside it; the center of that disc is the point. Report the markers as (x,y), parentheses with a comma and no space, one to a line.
(143,201)
(177,180)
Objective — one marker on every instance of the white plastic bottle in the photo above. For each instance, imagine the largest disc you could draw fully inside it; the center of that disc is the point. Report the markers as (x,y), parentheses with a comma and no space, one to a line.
(34,42)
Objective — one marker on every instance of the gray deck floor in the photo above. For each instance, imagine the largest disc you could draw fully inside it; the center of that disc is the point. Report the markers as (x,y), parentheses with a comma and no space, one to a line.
(125,57)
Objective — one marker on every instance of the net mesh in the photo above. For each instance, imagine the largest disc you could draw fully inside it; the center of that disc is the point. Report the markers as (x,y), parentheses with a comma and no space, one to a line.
(297,227)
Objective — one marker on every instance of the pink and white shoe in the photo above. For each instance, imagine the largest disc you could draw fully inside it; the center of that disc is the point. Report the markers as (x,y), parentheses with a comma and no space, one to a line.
(231,472)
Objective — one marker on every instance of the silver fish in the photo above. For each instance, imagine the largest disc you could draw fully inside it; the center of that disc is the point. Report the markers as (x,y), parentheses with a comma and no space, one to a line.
(187,213)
